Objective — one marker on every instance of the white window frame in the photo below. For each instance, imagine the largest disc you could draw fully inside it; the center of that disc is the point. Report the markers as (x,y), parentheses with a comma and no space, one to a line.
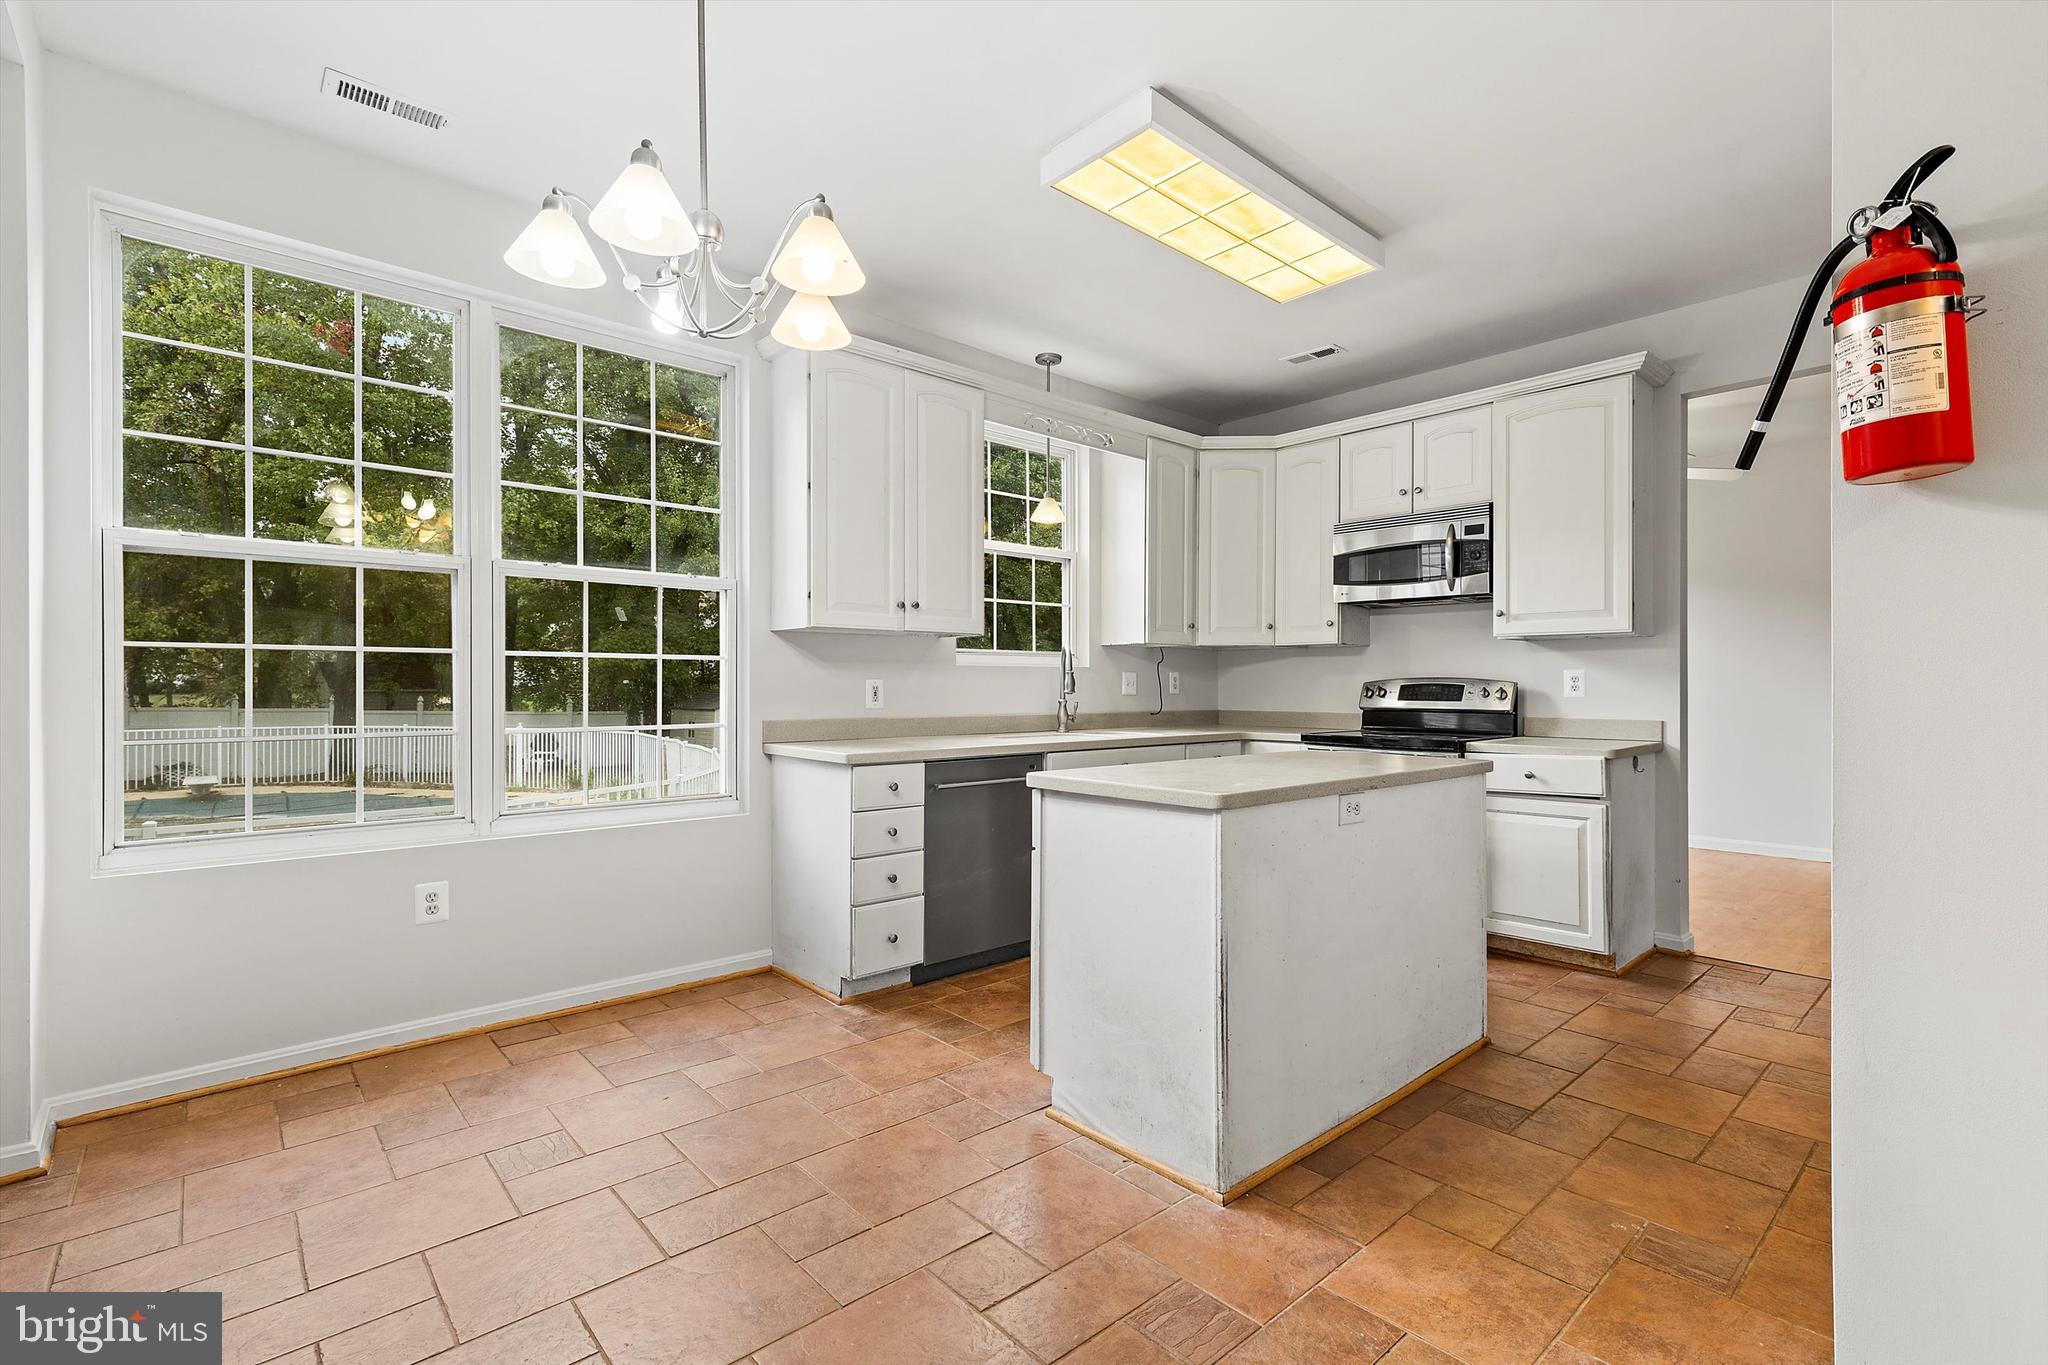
(1074,486)
(477,624)
(725,583)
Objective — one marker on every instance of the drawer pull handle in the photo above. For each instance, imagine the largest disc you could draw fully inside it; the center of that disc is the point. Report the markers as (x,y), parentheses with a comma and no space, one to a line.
(892,786)
(1529,777)
(892,831)
(892,938)
(892,879)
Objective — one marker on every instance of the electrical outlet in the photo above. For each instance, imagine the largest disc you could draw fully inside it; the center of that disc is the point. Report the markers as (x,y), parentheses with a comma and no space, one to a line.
(430,903)
(1350,808)
(1173,682)
(1575,682)
(1130,684)
(874,694)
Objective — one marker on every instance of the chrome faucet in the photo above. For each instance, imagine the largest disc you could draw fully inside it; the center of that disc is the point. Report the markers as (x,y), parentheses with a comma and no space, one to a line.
(1066,708)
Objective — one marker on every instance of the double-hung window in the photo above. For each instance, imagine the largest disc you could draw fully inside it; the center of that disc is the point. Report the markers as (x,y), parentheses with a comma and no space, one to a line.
(614,591)
(283,579)
(344,589)
(1028,557)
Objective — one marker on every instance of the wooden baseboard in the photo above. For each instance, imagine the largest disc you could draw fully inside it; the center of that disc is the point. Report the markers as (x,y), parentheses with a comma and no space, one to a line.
(812,987)
(367,1053)
(1265,1173)
(30,1174)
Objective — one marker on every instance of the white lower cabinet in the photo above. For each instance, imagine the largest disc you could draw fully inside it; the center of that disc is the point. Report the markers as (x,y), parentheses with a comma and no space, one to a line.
(1546,863)
(1569,843)
(1219,748)
(848,852)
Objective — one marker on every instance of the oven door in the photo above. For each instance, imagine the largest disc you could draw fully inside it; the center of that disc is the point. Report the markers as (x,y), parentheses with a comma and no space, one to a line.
(1414,559)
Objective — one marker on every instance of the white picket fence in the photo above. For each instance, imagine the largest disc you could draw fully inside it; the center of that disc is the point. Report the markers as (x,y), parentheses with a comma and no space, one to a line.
(549,763)
(161,758)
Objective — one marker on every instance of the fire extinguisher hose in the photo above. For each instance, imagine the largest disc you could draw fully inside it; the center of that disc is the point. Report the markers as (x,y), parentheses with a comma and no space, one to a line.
(1822,277)
(1944,245)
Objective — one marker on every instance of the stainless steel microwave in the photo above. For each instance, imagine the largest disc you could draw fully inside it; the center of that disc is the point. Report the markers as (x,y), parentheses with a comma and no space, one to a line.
(1444,556)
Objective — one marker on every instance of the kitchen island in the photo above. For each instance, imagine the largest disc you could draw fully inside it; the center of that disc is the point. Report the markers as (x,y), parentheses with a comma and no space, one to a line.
(1236,960)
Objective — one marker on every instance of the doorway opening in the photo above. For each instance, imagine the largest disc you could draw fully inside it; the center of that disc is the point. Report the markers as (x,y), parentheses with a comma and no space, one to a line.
(1758,716)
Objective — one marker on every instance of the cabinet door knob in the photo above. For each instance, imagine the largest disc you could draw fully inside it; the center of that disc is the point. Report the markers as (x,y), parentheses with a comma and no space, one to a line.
(914,606)
(892,831)
(892,938)
(899,606)
(1497,611)
(1191,625)
(1269,625)
(892,875)
(1329,623)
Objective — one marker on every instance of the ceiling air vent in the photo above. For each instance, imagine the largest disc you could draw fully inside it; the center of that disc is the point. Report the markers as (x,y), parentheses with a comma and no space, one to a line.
(1314,353)
(347,87)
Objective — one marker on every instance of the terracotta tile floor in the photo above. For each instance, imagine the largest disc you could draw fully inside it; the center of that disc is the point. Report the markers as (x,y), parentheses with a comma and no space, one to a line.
(1769,912)
(1637,1172)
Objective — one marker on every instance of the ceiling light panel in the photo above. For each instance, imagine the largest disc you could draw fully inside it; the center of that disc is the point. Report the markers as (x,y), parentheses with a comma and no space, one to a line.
(1153,166)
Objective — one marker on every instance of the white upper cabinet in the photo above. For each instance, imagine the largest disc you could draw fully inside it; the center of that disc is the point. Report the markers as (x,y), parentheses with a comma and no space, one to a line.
(1454,459)
(943,485)
(1235,578)
(1376,473)
(877,473)
(1564,522)
(1305,480)
(1145,545)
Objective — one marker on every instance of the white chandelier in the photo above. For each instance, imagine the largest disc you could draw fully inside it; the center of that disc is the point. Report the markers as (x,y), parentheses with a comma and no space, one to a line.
(687,292)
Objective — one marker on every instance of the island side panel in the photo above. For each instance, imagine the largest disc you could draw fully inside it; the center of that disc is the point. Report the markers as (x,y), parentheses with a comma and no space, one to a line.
(1126,967)
(1354,958)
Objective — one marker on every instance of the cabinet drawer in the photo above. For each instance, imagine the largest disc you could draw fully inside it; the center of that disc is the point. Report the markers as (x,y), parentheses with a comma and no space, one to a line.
(1547,774)
(888,784)
(1220,748)
(886,877)
(888,935)
(887,831)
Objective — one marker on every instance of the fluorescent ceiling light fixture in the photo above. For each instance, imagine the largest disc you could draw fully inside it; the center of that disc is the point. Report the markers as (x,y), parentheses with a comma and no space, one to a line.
(1152,165)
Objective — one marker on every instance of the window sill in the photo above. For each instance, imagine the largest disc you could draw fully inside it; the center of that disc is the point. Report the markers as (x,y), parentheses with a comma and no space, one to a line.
(990,658)
(243,850)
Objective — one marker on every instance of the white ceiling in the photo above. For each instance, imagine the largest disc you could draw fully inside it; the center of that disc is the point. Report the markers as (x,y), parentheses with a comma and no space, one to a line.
(1535,169)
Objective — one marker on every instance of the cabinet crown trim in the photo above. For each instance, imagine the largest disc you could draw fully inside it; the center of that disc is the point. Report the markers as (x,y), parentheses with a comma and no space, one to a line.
(1654,372)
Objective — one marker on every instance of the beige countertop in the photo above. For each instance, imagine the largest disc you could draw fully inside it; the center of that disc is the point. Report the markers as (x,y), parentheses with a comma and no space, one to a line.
(1562,744)
(937,748)
(1254,779)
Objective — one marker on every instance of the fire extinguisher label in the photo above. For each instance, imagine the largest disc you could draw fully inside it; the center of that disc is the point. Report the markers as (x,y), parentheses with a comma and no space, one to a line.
(1895,367)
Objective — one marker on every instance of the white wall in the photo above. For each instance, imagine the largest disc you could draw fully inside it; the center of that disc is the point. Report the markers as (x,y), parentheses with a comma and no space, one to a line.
(21,436)
(1756,551)
(1941,867)
(1709,346)
(159,981)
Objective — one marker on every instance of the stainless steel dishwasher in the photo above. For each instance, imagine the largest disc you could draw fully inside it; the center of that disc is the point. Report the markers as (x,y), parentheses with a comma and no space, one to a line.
(977,863)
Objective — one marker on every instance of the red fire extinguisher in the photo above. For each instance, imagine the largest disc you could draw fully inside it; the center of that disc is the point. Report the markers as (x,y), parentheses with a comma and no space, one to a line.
(1901,366)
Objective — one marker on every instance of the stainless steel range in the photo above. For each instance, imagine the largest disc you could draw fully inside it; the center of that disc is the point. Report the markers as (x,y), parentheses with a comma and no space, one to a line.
(1428,715)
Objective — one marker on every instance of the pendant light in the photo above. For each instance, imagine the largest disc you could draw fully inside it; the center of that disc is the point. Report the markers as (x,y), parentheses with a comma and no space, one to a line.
(1048,512)
(684,289)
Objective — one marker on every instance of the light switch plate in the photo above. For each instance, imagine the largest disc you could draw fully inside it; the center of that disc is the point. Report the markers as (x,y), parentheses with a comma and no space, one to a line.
(1130,684)
(1350,808)
(874,694)
(1575,682)
(430,903)
(1173,682)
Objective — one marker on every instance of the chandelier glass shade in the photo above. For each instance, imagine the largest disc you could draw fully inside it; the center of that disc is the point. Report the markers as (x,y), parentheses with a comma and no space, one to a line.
(682,286)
